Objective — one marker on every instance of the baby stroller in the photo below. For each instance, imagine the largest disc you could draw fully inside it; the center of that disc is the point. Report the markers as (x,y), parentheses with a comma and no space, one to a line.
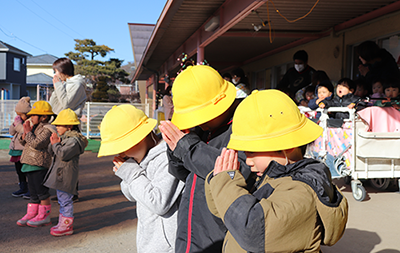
(354,152)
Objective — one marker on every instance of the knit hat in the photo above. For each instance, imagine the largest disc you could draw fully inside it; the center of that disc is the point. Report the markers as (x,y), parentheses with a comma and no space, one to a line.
(23,105)
(41,108)
(270,121)
(123,127)
(66,117)
(200,94)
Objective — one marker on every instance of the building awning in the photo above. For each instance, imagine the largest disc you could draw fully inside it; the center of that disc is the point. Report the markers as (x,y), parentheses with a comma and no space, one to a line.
(237,32)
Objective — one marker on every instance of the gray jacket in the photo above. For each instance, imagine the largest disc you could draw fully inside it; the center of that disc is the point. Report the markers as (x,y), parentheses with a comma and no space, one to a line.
(157,194)
(64,170)
(69,94)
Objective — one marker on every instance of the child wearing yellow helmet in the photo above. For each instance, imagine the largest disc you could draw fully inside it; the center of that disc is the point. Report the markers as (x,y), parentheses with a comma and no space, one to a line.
(142,164)
(36,160)
(294,207)
(205,101)
(66,147)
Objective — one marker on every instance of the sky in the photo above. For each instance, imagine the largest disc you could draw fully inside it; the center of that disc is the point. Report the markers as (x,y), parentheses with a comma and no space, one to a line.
(50,27)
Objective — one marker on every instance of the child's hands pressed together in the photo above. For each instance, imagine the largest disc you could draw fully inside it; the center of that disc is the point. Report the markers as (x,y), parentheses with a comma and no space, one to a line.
(228,160)
(171,133)
(54,138)
(27,126)
(118,161)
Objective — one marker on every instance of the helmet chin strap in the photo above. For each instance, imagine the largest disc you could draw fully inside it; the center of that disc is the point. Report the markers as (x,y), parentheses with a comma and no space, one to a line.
(287,160)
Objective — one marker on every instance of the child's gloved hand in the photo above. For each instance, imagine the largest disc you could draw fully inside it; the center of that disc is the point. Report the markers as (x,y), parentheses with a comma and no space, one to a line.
(54,138)
(18,120)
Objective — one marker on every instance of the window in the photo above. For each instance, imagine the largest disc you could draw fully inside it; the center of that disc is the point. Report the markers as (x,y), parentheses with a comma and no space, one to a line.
(17,64)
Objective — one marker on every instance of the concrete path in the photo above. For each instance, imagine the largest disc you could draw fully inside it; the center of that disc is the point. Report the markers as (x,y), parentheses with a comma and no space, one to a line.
(106,222)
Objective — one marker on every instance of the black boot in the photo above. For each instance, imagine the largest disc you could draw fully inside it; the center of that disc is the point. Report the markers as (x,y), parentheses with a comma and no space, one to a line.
(23,188)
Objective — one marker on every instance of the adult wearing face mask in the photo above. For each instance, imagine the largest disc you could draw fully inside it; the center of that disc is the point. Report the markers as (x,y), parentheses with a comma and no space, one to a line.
(298,76)
(241,83)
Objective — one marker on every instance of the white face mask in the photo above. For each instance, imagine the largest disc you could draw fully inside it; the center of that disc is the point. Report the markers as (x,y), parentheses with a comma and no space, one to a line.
(299,67)
(235,80)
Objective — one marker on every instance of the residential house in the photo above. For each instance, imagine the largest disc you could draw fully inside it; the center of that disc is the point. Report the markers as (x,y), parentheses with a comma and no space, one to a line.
(40,76)
(12,71)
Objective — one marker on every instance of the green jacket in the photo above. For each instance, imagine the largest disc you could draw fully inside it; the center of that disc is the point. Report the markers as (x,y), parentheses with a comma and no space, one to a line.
(294,208)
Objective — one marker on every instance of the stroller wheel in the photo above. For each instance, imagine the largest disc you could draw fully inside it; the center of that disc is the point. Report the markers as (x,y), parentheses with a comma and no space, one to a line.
(358,191)
(380,183)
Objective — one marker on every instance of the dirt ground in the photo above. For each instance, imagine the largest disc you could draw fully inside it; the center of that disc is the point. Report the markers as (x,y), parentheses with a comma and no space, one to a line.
(104,220)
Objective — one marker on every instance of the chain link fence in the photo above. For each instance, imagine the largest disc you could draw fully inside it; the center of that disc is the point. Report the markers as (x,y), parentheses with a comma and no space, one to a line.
(92,115)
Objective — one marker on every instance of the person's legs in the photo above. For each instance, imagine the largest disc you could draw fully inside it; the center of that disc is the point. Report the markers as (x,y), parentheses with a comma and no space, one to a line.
(23,186)
(34,183)
(33,207)
(43,195)
(64,226)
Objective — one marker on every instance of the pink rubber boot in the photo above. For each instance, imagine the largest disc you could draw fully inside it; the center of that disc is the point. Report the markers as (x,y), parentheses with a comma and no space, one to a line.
(59,222)
(43,217)
(64,227)
(32,211)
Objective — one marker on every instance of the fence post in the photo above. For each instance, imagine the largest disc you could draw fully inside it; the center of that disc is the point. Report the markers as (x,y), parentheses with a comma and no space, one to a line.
(87,120)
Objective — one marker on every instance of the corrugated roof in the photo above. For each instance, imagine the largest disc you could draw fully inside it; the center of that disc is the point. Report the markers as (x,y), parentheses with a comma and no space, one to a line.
(140,35)
(39,78)
(44,59)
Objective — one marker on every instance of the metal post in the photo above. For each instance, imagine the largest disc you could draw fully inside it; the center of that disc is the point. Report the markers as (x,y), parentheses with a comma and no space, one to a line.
(38,92)
(87,120)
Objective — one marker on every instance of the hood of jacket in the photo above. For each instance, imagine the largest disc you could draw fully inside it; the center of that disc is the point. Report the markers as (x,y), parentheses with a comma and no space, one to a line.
(309,171)
(154,152)
(332,206)
(82,141)
(77,79)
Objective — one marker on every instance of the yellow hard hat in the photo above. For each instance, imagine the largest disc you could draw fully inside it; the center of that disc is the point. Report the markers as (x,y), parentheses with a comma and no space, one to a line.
(200,94)
(41,108)
(123,127)
(66,117)
(270,121)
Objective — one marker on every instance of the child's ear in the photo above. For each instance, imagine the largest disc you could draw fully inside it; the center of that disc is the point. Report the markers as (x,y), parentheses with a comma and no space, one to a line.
(330,94)
(351,90)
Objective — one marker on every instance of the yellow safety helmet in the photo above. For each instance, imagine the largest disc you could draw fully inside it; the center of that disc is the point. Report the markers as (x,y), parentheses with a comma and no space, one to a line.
(270,121)
(66,117)
(41,108)
(200,94)
(123,127)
